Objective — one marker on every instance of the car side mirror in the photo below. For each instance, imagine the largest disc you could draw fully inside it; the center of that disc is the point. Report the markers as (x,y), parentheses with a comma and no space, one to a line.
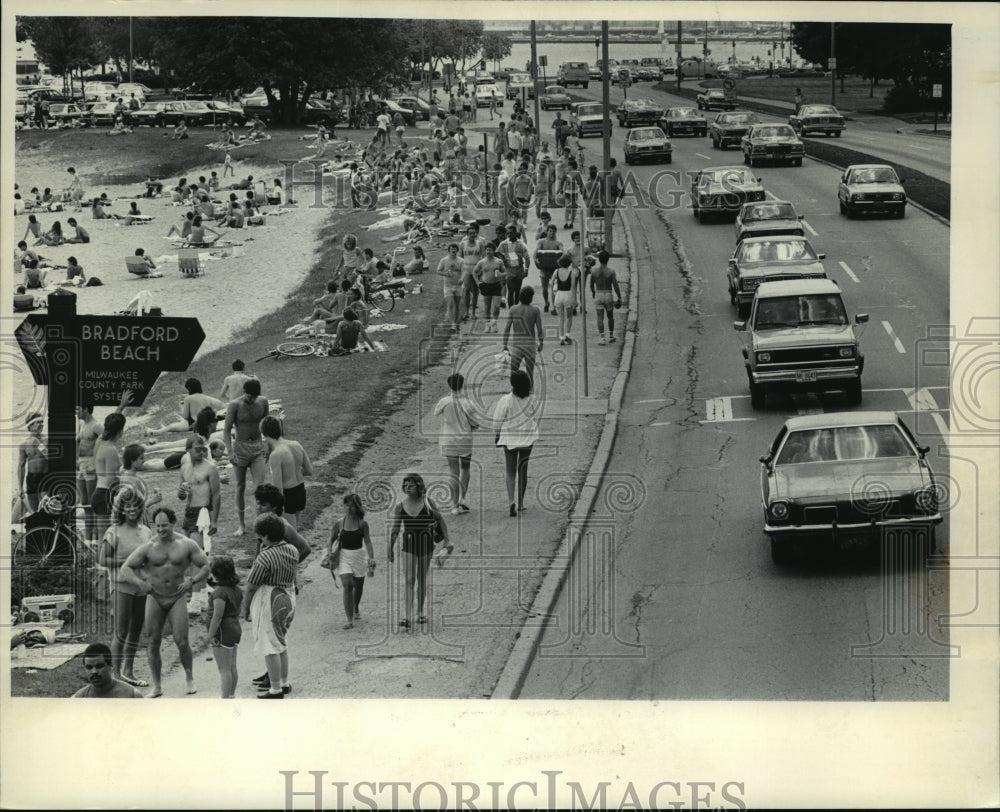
(732,263)
(821,256)
(902,180)
(861,318)
(766,461)
(923,449)
(801,216)
(739,326)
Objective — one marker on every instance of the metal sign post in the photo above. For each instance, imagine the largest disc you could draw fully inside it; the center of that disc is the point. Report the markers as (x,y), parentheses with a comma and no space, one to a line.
(936,93)
(583,294)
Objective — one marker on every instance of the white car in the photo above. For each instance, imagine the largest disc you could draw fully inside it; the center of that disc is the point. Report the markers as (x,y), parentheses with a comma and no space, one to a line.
(125,90)
(485,92)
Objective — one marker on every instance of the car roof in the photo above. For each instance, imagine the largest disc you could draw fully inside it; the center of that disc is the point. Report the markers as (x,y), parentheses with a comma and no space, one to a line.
(772,238)
(796,287)
(869,166)
(770,202)
(829,420)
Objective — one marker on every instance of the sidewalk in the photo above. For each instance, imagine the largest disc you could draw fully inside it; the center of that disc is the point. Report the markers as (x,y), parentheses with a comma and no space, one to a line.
(481,600)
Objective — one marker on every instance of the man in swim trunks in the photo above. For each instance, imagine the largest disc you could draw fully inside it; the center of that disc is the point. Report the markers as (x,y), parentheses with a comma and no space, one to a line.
(232,385)
(288,466)
(246,449)
(32,462)
(200,487)
(602,283)
(167,559)
(269,602)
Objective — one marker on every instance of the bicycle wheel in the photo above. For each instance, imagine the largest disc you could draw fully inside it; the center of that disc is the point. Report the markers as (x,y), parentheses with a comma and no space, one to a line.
(297,349)
(45,546)
(384,300)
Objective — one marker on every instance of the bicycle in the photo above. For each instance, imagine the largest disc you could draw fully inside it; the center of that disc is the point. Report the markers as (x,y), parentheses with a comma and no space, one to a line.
(302,348)
(381,297)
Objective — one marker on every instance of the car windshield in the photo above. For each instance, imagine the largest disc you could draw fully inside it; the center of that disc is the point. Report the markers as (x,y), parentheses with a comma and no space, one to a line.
(843,443)
(731,175)
(683,112)
(768,211)
(554,89)
(780,131)
(646,134)
(775,251)
(800,311)
(821,110)
(741,118)
(875,174)
(590,110)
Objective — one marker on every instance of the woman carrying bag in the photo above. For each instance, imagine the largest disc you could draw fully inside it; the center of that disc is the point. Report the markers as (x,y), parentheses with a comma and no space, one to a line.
(423,529)
(348,559)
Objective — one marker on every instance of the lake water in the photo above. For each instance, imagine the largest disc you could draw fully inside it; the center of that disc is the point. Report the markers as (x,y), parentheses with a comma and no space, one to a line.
(559,52)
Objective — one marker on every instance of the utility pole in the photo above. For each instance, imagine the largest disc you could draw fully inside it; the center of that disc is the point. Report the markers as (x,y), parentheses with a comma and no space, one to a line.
(680,57)
(833,66)
(534,76)
(130,50)
(606,99)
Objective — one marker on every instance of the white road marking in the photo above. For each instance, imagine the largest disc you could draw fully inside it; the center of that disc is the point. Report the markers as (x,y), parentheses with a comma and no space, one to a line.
(652,400)
(917,146)
(706,157)
(731,420)
(661,424)
(895,339)
(923,401)
(849,272)
(809,228)
(718,409)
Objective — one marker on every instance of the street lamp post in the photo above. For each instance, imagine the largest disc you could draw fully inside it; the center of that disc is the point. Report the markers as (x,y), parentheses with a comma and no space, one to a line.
(734,53)
(597,50)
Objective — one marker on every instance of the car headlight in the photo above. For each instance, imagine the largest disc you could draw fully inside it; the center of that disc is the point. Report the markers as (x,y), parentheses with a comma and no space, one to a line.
(926,499)
(861,196)
(778,511)
(898,196)
(764,357)
(846,352)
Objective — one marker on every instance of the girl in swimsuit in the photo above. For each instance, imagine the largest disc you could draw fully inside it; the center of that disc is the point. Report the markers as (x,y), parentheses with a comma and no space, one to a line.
(416,515)
(224,626)
(106,464)
(350,533)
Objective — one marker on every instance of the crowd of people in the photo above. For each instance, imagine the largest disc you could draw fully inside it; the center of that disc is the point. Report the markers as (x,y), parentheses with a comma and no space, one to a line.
(159,557)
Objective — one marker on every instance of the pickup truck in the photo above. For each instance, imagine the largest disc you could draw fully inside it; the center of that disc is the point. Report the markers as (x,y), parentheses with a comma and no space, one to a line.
(574,73)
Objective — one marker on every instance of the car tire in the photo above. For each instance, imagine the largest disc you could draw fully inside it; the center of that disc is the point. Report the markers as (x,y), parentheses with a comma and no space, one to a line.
(836,134)
(843,208)
(901,213)
(854,393)
(758,397)
(628,160)
(670,159)
(797,162)
(746,158)
(586,85)
(697,214)
(780,552)
(732,295)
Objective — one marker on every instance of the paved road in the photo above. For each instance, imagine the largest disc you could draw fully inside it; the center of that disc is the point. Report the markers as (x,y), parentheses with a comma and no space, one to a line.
(874,134)
(694,608)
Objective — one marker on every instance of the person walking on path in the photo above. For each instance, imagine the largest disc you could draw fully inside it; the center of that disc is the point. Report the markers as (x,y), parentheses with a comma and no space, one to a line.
(450,267)
(602,282)
(524,321)
(565,290)
(455,440)
(471,250)
(224,630)
(288,465)
(351,547)
(799,99)
(246,451)
(515,419)
(518,261)
(548,250)
(269,602)
(123,538)
(423,529)
(489,274)
(167,558)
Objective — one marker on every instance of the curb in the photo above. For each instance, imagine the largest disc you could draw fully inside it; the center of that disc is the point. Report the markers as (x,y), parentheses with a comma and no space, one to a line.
(515,670)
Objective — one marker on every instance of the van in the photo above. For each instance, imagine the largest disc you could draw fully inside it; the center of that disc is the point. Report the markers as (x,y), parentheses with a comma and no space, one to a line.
(574,73)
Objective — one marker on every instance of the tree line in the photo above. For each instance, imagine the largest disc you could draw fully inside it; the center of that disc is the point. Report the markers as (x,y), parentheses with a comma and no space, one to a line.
(289,57)
(914,56)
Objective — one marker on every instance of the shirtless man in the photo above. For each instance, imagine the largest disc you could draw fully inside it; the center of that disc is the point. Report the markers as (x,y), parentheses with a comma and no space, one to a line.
(101,683)
(232,385)
(166,559)
(200,487)
(87,432)
(246,450)
(32,462)
(288,465)
(602,283)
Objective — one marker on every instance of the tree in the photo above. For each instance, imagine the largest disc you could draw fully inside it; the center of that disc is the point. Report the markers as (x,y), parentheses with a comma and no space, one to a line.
(290,57)
(496,47)
(63,44)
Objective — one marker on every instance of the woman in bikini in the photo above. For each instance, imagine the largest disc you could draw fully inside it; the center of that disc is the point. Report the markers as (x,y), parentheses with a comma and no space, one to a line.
(198,229)
(107,463)
(127,533)
(416,516)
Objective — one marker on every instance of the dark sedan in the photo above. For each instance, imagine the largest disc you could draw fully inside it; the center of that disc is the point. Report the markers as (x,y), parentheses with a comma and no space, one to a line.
(729,128)
(772,142)
(853,477)
(151,113)
(684,121)
(714,100)
(723,190)
(555,98)
(639,113)
(818,118)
